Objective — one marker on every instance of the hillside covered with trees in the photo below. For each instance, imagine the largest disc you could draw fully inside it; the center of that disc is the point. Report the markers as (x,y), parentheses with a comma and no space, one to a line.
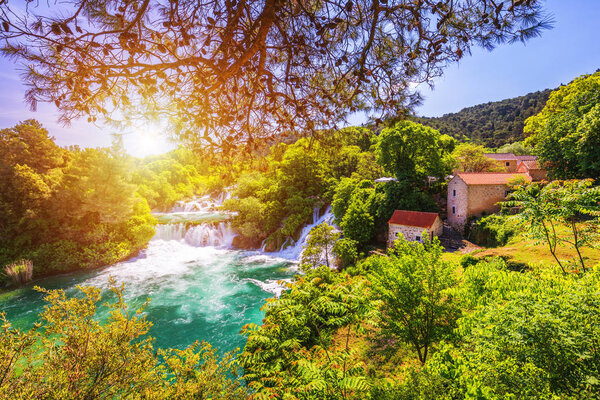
(492,124)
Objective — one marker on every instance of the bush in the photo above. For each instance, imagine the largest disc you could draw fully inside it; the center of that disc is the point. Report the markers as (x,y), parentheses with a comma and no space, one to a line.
(468,260)
(346,251)
(491,231)
(20,272)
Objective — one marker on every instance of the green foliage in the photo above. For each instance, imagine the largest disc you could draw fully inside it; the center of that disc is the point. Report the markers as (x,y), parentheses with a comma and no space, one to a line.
(71,354)
(67,209)
(492,231)
(412,285)
(362,208)
(319,246)
(291,355)
(516,148)
(358,222)
(471,158)
(530,336)
(413,151)
(468,260)
(492,124)
(566,132)
(347,252)
(273,202)
(163,180)
(19,272)
(575,204)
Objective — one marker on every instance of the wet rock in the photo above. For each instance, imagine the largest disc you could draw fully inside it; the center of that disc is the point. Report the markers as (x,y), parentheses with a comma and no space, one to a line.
(244,243)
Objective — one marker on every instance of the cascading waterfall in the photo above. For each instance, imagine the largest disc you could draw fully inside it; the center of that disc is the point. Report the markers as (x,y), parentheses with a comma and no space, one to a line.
(216,235)
(200,287)
(294,251)
(200,204)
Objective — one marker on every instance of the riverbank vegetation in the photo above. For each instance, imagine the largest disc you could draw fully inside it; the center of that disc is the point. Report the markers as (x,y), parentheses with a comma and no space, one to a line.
(409,325)
(66,209)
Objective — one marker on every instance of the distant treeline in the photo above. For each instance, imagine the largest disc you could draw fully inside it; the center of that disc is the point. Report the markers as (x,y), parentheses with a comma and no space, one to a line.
(491,124)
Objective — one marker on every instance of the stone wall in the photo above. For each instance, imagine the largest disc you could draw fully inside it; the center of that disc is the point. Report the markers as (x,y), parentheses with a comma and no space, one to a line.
(457,203)
(437,229)
(409,232)
(485,198)
(511,167)
(412,232)
(535,174)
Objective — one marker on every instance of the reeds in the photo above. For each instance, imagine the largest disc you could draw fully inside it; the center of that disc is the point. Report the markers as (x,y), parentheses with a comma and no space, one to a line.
(20,272)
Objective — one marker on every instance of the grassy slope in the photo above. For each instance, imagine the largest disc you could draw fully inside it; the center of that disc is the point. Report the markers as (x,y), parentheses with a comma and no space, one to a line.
(522,249)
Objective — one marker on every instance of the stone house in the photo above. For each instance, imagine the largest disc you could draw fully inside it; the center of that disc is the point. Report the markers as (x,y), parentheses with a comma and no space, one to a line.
(532,168)
(508,161)
(413,225)
(474,194)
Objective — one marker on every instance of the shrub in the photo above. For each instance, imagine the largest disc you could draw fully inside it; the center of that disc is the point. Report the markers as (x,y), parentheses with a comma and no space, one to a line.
(347,252)
(468,260)
(20,272)
(491,231)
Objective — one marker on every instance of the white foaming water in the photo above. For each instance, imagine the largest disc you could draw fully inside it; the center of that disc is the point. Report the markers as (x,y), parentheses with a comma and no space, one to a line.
(204,203)
(271,285)
(294,251)
(215,235)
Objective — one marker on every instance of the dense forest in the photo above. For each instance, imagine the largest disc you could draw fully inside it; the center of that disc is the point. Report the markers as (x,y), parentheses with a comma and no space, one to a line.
(75,208)
(417,322)
(492,124)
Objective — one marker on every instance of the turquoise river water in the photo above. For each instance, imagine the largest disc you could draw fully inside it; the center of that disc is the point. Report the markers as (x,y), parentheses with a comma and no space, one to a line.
(200,287)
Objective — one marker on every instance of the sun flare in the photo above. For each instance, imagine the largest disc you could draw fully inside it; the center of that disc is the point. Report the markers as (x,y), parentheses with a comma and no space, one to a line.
(148,140)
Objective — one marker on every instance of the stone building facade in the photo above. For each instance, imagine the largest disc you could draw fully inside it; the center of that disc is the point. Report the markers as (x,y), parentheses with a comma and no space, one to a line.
(531,168)
(414,225)
(508,161)
(475,194)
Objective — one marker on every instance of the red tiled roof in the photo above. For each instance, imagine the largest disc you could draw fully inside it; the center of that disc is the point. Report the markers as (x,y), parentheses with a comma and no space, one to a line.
(501,156)
(526,158)
(490,178)
(529,164)
(413,218)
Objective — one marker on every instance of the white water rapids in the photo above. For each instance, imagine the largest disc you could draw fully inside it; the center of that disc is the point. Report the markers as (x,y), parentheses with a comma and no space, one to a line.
(200,287)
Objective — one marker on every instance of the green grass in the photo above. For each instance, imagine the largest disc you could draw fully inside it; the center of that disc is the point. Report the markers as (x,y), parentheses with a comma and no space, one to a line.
(523,249)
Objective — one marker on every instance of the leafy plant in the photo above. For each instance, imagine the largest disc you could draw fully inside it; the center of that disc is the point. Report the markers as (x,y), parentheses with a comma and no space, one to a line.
(546,207)
(412,286)
(20,272)
(319,245)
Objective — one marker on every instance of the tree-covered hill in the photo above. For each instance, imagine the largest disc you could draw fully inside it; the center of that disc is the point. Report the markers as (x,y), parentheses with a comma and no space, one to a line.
(492,124)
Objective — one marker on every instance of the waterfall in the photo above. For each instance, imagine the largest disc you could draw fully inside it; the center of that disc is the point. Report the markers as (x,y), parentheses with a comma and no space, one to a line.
(199,204)
(216,235)
(193,225)
(295,251)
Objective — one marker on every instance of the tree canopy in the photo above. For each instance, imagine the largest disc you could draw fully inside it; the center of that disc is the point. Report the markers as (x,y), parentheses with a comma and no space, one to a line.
(492,124)
(414,151)
(566,133)
(230,71)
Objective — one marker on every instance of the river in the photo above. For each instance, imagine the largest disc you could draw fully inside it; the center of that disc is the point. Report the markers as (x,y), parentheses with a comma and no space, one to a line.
(200,287)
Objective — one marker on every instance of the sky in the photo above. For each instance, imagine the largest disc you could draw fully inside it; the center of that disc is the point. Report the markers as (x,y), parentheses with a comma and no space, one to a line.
(570,49)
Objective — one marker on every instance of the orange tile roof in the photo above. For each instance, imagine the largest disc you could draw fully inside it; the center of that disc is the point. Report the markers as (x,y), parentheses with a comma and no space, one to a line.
(530,164)
(490,178)
(501,156)
(526,158)
(413,218)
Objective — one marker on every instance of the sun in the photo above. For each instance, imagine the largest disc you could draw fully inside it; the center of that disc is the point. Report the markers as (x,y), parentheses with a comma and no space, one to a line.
(148,140)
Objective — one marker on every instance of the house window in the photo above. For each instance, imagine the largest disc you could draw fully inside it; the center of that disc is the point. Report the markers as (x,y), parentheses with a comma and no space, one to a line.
(418,238)
(454,193)
(453,210)
(507,163)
